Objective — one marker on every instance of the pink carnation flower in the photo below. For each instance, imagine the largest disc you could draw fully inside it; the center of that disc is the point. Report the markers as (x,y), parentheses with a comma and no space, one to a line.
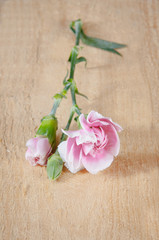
(93,147)
(38,151)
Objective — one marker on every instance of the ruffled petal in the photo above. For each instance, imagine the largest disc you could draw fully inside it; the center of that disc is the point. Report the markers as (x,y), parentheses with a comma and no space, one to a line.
(101,161)
(86,137)
(72,134)
(72,158)
(62,149)
(74,163)
(96,119)
(87,148)
(84,123)
(113,144)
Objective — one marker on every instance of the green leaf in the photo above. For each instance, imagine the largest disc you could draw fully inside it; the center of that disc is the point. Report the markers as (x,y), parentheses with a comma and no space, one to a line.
(81,59)
(76,109)
(96,42)
(81,94)
(102,44)
(69,60)
(75,24)
(74,54)
(78,60)
(65,79)
(48,129)
(78,28)
(54,166)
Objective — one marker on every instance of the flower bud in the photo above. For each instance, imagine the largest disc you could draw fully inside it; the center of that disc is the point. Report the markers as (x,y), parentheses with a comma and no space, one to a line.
(40,147)
(38,151)
(54,166)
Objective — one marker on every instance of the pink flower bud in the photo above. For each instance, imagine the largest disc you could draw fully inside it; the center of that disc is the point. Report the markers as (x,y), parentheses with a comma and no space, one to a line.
(38,151)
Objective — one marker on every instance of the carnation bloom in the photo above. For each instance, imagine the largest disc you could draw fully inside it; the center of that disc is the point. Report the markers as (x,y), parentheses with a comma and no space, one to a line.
(93,146)
(38,150)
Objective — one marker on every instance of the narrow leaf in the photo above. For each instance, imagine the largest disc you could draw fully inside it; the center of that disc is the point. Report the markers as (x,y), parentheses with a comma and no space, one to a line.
(81,94)
(98,43)
(78,28)
(69,60)
(65,79)
(81,59)
(102,44)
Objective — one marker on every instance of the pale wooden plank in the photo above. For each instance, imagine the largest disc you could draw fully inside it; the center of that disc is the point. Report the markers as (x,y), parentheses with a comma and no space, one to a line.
(121,202)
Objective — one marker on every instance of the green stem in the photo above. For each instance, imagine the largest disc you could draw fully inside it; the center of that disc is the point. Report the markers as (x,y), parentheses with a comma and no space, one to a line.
(74,55)
(54,108)
(78,26)
(58,97)
(63,137)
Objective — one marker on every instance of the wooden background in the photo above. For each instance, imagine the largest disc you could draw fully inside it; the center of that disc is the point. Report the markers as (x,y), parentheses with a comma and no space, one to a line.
(121,202)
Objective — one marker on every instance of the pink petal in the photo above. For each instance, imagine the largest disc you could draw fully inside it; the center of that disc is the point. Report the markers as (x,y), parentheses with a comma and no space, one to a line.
(71,134)
(70,142)
(31,143)
(102,139)
(101,161)
(96,119)
(84,123)
(72,158)
(43,147)
(113,144)
(87,148)
(74,163)
(41,160)
(62,149)
(92,116)
(86,137)
(30,158)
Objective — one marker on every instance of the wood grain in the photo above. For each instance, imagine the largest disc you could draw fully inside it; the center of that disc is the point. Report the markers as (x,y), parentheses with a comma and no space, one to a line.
(121,202)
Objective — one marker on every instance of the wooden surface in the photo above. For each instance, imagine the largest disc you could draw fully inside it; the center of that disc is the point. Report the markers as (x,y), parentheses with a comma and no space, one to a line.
(121,202)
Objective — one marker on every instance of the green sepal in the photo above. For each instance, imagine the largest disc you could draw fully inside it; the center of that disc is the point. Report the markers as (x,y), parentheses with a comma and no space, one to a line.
(48,129)
(54,166)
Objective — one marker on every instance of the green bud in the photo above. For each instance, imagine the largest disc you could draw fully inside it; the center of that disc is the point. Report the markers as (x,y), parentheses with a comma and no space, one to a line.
(54,166)
(48,129)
